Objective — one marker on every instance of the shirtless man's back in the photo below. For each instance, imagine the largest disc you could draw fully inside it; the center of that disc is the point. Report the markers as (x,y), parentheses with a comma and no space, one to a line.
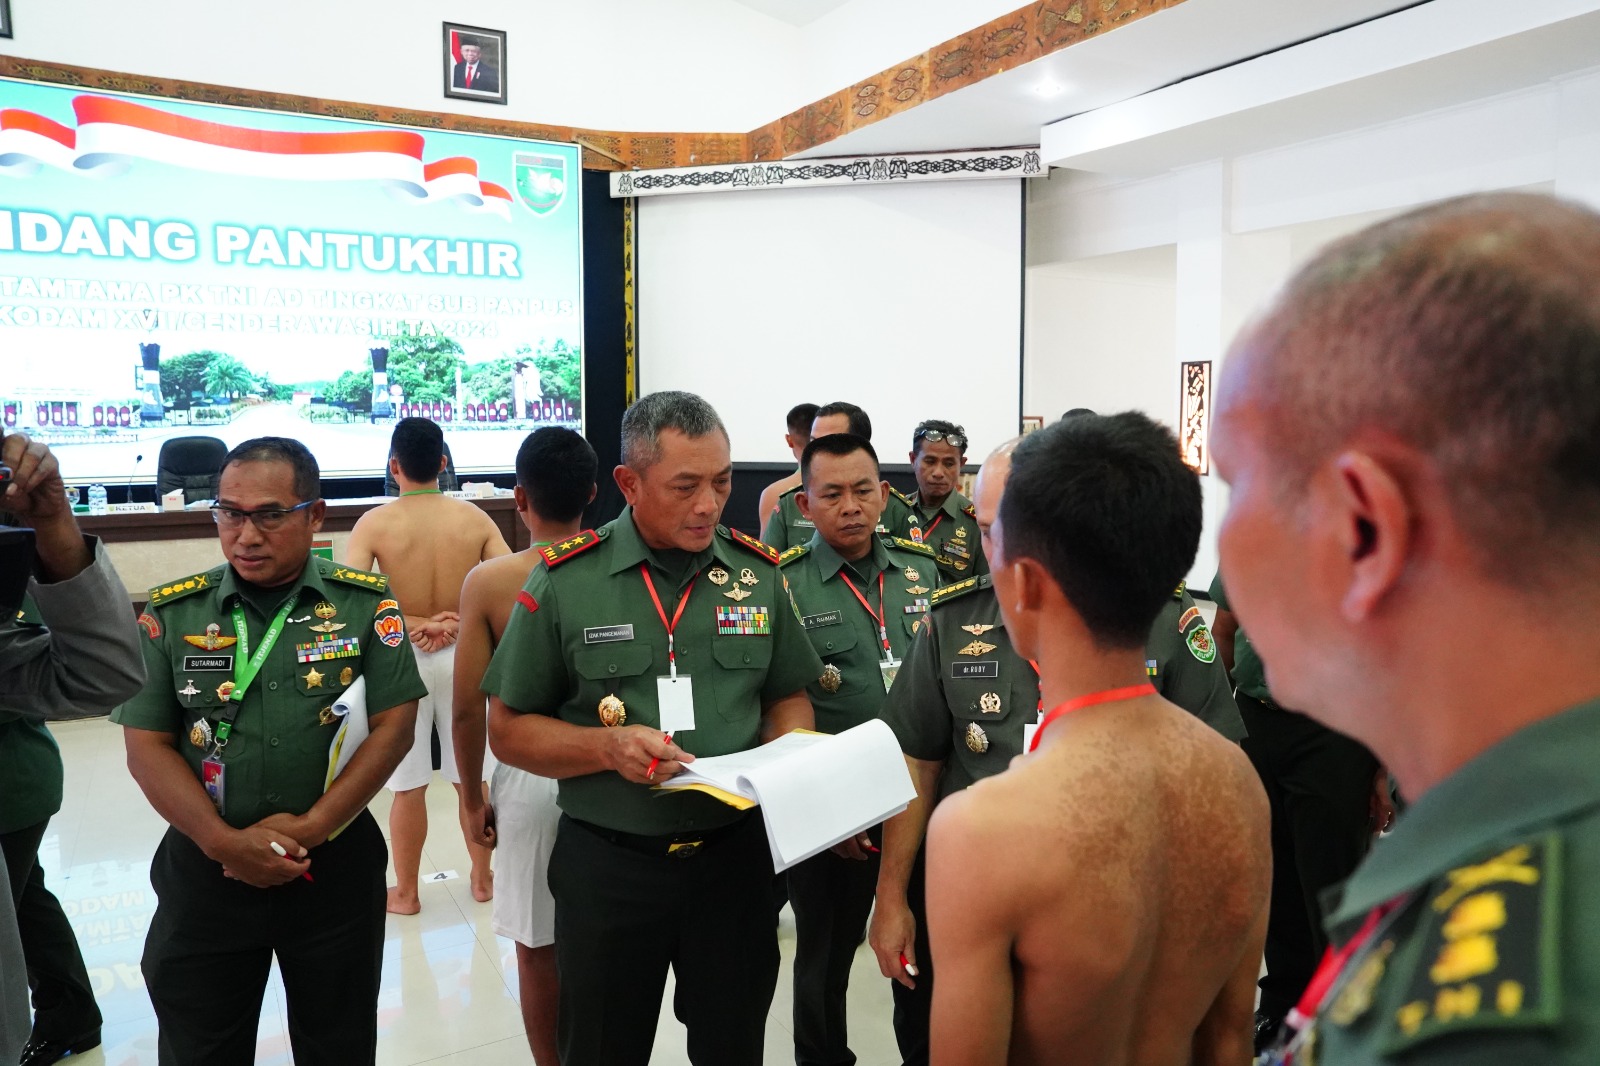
(426,542)
(1104,901)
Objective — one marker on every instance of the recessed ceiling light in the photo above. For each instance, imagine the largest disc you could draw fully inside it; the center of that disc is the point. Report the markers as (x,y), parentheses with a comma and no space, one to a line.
(1049,88)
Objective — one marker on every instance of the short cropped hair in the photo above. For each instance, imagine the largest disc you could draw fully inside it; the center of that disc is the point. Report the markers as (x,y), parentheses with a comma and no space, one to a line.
(307,475)
(1105,504)
(834,444)
(941,427)
(860,424)
(418,444)
(1469,329)
(556,467)
(643,422)
(1076,411)
(800,417)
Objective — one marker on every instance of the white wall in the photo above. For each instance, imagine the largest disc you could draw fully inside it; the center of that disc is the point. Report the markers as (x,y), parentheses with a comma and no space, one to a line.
(903,299)
(631,65)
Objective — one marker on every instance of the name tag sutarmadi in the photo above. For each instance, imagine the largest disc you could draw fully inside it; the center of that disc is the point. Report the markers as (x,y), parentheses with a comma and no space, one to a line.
(207,662)
(607,634)
(826,618)
(963,670)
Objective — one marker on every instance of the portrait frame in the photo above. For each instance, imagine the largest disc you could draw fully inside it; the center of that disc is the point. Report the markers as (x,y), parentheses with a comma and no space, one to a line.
(1194,415)
(1032,424)
(490,73)
(5,18)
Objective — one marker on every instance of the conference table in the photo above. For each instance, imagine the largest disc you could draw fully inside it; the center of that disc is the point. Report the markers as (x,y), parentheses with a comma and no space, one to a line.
(148,548)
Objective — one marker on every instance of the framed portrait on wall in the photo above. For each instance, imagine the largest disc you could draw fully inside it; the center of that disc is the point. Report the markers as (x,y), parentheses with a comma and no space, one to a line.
(1032,424)
(5,18)
(474,63)
(1194,416)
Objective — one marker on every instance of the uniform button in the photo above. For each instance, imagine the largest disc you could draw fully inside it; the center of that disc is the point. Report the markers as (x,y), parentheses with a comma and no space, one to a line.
(273,685)
(612,668)
(274,741)
(830,645)
(747,658)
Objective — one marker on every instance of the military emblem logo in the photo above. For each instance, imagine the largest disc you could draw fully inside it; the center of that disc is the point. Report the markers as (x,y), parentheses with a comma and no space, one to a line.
(541,181)
(717,576)
(326,611)
(831,678)
(391,629)
(977,739)
(737,593)
(989,703)
(212,639)
(1201,645)
(612,712)
(976,648)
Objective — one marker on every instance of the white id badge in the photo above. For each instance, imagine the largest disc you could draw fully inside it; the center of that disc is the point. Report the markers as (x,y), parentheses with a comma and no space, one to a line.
(1027,733)
(889,669)
(675,703)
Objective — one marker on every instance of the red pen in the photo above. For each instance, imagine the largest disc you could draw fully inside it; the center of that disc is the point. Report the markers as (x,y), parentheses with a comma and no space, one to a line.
(907,966)
(874,849)
(650,774)
(282,854)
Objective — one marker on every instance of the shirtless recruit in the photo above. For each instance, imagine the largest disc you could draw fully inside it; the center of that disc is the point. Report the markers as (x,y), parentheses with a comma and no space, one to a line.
(1104,901)
(555,482)
(426,542)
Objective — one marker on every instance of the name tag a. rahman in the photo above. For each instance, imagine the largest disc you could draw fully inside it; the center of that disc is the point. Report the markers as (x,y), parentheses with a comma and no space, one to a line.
(207,662)
(826,618)
(607,634)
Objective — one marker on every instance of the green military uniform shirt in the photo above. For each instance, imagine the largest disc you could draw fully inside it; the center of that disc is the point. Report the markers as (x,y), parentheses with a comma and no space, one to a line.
(964,696)
(586,632)
(30,761)
(951,530)
(850,689)
(343,626)
(787,528)
(1248,673)
(1494,957)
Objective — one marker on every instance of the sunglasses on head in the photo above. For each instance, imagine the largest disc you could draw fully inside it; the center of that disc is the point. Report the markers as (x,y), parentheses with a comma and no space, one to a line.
(955,440)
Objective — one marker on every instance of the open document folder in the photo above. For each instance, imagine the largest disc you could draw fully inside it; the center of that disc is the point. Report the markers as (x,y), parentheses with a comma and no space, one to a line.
(352,711)
(814,790)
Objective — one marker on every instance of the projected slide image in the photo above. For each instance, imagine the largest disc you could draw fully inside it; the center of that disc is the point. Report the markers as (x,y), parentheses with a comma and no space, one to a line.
(171,268)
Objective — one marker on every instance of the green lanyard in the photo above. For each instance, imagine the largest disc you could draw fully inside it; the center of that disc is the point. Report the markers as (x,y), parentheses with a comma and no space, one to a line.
(244,674)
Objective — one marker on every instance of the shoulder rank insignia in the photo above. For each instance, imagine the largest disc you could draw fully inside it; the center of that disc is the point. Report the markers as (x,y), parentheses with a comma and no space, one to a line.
(970,511)
(164,594)
(562,550)
(364,578)
(1177,593)
(792,554)
(902,497)
(960,588)
(1491,949)
(766,551)
(912,546)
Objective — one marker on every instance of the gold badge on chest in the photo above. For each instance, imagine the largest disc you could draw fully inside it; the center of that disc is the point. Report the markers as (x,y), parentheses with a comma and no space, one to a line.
(989,703)
(717,576)
(325,611)
(977,739)
(977,648)
(912,574)
(831,678)
(612,712)
(737,593)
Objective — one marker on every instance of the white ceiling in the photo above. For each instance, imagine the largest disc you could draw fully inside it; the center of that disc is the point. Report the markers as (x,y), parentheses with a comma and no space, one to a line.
(794,12)
(1183,41)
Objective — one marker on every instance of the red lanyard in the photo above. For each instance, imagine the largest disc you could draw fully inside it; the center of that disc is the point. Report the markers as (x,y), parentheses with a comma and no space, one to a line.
(672,656)
(1041,691)
(936,520)
(1334,963)
(878,616)
(1110,695)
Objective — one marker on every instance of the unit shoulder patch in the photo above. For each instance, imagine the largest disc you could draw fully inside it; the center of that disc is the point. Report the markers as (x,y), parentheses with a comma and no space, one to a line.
(559,552)
(161,595)
(914,546)
(1491,948)
(749,543)
(796,552)
(362,578)
(960,588)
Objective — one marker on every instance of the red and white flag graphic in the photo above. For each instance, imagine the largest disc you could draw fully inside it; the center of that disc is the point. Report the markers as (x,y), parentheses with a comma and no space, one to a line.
(113,134)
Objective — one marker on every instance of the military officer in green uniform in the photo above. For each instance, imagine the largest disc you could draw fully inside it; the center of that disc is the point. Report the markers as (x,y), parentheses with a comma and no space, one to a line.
(268,854)
(861,597)
(787,527)
(1426,584)
(657,638)
(962,708)
(940,516)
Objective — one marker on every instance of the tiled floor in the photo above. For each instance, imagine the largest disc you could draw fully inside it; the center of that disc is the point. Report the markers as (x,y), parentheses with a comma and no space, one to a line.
(449,984)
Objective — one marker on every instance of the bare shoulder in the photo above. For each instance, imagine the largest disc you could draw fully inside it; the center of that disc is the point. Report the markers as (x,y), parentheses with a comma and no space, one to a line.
(499,578)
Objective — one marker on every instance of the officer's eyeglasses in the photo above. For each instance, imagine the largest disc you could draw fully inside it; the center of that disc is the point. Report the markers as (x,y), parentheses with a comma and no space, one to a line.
(955,440)
(269,520)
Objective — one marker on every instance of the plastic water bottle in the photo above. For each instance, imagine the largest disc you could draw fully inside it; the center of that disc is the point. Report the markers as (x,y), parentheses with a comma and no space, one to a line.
(97,499)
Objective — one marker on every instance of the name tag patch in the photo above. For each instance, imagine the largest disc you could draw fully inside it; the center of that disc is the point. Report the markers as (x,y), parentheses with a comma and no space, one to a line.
(826,618)
(607,634)
(207,662)
(961,670)
(743,621)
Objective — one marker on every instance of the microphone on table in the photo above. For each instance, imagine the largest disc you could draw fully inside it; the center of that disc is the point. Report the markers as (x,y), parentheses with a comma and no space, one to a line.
(137,459)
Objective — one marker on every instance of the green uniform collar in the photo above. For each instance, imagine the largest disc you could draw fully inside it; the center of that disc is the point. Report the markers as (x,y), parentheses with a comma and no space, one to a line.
(310,577)
(1537,775)
(953,505)
(628,548)
(829,562)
